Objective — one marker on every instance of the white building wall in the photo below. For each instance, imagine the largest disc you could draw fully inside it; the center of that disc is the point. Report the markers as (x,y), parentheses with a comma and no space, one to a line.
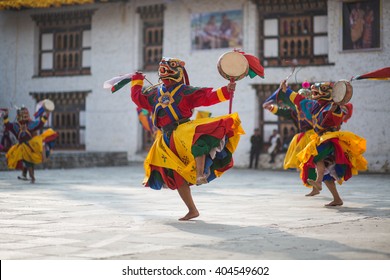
(371,99)
(201,65)
(111,119)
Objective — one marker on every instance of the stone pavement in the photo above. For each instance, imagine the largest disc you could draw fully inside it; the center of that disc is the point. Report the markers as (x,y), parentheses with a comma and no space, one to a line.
(105,213)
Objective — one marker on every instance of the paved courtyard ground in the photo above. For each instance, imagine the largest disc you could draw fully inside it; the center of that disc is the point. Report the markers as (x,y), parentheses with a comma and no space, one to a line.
(105,213)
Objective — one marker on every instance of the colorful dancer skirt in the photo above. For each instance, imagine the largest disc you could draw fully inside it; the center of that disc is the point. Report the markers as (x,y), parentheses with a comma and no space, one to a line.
(171,160)
(344,148)
(30,152)
(297,144)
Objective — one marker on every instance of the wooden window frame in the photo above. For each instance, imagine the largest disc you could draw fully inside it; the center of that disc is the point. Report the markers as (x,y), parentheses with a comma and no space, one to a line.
(68,46)
(294,47)
(66,118)
(152,35)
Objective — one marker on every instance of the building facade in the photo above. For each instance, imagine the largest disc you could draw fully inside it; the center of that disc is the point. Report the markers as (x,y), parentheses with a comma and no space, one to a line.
(66,53)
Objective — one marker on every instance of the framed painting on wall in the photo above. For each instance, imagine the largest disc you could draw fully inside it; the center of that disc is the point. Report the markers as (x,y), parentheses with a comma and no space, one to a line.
(361,25)
(216,30)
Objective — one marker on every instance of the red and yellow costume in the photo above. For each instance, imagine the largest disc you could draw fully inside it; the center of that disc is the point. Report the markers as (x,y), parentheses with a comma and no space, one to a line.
(171,160)
(29,149)
(343,148)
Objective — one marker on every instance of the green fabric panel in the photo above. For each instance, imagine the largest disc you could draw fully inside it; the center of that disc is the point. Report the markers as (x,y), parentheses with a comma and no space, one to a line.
(219,163)
(284,112)
(120,85)
(285,100)
(324,150)
(312,174)
(204,144)
(251,74)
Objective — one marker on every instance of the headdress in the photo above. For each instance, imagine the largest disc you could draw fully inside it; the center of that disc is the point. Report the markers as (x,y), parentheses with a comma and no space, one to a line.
(305,90)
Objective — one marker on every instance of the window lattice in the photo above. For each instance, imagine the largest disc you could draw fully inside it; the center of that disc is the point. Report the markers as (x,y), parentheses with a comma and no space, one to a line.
(68,118)
(64,43)
(153,32)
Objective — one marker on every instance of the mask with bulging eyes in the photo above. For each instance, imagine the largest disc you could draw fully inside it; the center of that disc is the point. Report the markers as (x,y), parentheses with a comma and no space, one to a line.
(171,69)
(322,91)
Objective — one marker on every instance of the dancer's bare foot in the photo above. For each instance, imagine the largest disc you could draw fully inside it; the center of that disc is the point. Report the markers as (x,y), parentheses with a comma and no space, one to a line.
(201,180)
(335,203)
(315,184)
(313,192)
(190,215)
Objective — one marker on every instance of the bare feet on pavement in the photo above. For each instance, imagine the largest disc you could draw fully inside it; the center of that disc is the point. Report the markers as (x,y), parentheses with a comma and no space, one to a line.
(335,203)
(315,184)
(313,192)
(190,215)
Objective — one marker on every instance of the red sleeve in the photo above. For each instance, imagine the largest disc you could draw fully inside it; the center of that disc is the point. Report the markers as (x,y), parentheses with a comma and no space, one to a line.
(141,100)
(348,112)
(209,96)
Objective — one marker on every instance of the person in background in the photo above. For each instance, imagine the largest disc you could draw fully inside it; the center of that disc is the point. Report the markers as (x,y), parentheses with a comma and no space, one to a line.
(256,148)
(275,145)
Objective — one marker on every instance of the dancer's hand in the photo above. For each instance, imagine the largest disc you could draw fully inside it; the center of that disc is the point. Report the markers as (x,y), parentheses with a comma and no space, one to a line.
(283,85)
(268,105)
(138,76)
(231,86)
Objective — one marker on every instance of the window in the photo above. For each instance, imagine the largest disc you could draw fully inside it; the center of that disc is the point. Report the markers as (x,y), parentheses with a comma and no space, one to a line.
(64,43)
(68,118)
(153,32)
(296,35)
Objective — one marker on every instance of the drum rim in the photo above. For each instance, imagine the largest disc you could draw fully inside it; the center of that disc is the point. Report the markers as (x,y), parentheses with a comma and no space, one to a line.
(228,76)
(48,104)
(347,95)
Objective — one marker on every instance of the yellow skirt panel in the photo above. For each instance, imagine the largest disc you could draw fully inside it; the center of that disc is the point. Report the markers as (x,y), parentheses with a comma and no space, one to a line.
(291,159)
(353,146)
(184,162)
(32,151)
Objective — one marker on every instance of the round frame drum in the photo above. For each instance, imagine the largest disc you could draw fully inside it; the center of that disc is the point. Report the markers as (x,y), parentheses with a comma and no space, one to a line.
(342,92)
(48,105)
(233,65)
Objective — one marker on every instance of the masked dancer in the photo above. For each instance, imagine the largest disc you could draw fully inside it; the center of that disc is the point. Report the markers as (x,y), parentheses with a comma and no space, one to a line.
(187,152)
(31,148)
(332,154)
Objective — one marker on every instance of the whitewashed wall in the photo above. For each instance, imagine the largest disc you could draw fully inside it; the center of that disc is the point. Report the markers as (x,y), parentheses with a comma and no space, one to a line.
(111,119)
(371,99)
(201,65)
